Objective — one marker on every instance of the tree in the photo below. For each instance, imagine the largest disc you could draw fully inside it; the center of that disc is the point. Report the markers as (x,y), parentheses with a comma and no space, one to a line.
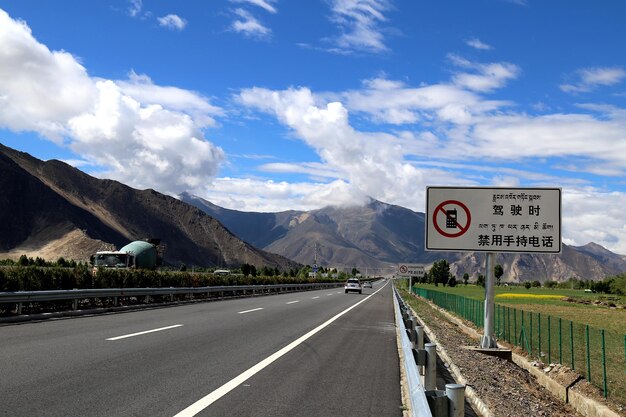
(452,281)
(481,280)
(23,261)
(253,270)
(550,284)
(440,272)
(465,278)
(498,271)
(245,269)
(527,284)
(536,284)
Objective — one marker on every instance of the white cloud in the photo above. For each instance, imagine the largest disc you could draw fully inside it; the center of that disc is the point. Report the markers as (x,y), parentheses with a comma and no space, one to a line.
(457,137)
(39,89)
(478,44)
(172,21)
(267,5)
(485,77)
(141,88)
(359,22)
(134,7)
(246,194)
(145,135)
(249,26)
(591,78)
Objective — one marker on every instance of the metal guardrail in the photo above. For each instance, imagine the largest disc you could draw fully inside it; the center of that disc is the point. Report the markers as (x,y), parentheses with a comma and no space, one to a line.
(426,400)
(20,297)
(417,393)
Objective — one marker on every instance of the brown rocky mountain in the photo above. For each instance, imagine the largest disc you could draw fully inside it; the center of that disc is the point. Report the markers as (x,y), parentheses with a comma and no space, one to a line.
(379,236)
(51,209)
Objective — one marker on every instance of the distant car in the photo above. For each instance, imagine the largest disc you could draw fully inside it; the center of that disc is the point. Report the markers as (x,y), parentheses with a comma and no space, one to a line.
(367,284)
(353,284)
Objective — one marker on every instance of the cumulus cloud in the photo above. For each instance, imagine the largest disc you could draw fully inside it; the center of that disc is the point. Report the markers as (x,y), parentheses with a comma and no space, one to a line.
(249,26)
(451,134)
(360,24)
(484,77)
(145,135)
(172,21)
(247,194)
(589,79)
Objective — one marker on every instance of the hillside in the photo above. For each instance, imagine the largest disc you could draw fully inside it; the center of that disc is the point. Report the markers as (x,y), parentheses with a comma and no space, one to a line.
(51,209)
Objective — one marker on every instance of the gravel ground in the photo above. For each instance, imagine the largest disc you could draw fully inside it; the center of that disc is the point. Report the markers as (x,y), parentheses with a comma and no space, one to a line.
(506,389)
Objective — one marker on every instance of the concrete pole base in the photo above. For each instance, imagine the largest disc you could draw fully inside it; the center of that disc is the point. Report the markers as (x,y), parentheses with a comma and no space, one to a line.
(488,342)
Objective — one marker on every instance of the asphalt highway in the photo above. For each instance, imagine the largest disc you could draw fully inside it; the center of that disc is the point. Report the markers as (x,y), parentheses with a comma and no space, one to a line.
(316,353)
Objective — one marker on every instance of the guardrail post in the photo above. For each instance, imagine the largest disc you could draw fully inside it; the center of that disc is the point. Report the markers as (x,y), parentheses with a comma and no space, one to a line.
(75,304)
(456,400)
(430,373)
(115,301)
(19,308)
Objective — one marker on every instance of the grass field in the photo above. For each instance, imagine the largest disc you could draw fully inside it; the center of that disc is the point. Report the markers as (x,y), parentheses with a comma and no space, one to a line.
(588,338)
(549,301)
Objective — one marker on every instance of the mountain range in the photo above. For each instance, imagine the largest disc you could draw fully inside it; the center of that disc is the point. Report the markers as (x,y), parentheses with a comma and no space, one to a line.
(51,209)
(379,236)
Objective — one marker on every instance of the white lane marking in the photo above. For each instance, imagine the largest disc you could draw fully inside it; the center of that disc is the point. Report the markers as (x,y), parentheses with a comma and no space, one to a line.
(250,311)
(291,302)
(313,298)
(146,332)
(328,294)
(209,399)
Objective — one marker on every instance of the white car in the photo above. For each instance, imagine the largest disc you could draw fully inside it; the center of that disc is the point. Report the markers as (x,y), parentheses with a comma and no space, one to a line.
(367,284)
(353,284)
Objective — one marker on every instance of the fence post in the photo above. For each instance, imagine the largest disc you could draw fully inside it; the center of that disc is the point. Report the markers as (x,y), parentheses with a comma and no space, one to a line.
(549,342)
(456,400)
(606,391)
(430,377)
(560,344)
(539,330)
(571,341)
(515,325)
(588,357)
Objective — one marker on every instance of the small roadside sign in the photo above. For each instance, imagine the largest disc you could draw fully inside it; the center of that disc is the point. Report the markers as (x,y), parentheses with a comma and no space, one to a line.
(410,270)
(493,219)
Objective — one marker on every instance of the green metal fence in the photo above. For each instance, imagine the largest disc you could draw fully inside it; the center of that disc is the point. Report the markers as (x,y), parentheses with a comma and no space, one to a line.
(596,354)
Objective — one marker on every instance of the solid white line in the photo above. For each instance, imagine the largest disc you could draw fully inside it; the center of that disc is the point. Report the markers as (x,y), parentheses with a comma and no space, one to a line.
(146,332)
(291,302)
(313,298)
(209,399)
(249,311)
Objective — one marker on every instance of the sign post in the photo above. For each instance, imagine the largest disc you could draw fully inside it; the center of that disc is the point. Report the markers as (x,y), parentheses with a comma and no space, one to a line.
(492,220)
(410,271)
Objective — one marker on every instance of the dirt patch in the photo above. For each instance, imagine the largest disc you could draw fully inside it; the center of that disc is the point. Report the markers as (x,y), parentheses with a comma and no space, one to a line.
(73,245)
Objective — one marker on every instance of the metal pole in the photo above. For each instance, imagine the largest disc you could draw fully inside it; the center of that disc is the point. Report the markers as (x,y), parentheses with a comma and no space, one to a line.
(605,388)
(488,339)
(456,400)
(430,377)
(588,356)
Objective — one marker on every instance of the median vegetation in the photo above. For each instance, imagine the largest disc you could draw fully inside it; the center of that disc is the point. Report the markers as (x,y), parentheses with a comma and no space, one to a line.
(29,274)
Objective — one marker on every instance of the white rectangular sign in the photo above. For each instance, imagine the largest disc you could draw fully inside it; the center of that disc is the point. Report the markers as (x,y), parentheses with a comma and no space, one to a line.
(410,270)
(493,219)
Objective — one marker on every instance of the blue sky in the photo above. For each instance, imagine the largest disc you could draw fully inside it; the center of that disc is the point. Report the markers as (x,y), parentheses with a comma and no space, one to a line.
(269,105)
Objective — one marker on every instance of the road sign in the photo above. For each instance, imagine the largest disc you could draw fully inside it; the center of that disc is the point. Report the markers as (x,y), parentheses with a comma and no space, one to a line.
(493,219)
(410,270)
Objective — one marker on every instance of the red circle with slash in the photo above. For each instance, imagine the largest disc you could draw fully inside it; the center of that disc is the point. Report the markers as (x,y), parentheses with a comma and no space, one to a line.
(462,228)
